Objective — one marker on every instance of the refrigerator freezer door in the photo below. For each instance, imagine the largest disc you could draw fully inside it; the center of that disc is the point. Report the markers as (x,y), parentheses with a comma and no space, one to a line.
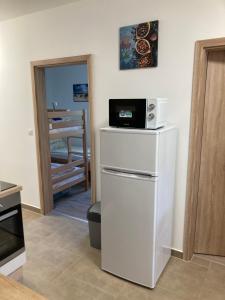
(130,151)
(128,226)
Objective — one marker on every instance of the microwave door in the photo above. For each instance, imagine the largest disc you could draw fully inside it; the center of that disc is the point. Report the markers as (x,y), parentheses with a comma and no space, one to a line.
(127,113)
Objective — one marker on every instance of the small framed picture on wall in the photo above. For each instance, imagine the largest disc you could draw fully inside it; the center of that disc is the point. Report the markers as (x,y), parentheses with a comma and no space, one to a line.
(80,92)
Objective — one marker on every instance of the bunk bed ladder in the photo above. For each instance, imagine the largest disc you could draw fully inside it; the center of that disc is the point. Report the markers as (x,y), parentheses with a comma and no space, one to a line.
(84,142)
(84,148)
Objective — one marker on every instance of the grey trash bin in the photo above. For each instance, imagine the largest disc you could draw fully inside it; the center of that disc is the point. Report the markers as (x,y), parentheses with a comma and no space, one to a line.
(94,222)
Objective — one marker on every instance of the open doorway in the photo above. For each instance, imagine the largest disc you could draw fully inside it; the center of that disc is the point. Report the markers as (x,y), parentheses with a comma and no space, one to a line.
(69,138)
(64,131)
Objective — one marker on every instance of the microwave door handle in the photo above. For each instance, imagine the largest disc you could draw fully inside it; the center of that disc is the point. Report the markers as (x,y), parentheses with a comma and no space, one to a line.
(8,215)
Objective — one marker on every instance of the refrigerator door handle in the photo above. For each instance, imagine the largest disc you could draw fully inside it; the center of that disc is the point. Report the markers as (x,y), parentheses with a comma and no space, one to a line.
(129,175)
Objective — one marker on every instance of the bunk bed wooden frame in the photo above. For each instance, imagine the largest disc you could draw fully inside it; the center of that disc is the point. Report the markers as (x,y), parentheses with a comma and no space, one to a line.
(73,172)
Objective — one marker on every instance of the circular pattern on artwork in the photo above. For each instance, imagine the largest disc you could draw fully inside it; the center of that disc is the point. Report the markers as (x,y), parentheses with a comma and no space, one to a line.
(143,30)
(143,47)
(145,61)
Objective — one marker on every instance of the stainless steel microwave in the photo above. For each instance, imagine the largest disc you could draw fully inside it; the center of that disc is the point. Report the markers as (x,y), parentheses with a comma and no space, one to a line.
(138,113)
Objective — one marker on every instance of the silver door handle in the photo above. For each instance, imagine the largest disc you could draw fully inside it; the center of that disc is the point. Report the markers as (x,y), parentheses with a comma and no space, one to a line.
(127,174)
(8,215)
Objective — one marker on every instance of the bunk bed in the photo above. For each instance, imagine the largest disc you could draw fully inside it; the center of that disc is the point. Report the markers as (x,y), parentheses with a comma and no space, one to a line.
(69,172)
(59,149)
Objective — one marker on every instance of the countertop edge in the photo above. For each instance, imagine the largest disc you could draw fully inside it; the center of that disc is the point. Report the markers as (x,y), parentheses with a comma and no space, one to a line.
(11,191)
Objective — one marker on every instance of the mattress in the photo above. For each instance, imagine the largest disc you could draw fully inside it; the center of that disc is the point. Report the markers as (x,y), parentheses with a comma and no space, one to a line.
(56,165)
(65,129)
(62,152)
(67,182)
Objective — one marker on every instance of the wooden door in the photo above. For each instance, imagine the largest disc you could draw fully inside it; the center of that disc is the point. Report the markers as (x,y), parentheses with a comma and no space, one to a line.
(210,222)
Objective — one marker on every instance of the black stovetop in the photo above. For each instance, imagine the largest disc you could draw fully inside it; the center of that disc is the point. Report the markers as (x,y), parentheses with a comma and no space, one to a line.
(6,185)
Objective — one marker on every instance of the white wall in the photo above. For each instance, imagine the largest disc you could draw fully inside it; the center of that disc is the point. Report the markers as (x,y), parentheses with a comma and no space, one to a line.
(59,88)
(59,84)
(91,26)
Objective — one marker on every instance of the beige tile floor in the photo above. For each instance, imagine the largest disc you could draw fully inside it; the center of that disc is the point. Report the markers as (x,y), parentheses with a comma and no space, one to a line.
(61,265)
(211,258)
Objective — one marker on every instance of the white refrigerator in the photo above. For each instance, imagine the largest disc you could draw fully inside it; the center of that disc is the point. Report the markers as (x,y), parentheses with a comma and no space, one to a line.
(137,195)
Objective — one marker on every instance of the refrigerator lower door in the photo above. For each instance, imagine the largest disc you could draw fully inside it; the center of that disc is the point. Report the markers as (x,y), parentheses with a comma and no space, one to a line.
(128,226)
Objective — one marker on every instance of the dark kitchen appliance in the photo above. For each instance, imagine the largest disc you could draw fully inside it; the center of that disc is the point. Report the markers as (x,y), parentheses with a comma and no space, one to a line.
(11,225)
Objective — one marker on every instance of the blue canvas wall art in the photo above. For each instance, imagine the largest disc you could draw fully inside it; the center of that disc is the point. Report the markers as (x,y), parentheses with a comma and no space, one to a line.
(139,46)
(80,92)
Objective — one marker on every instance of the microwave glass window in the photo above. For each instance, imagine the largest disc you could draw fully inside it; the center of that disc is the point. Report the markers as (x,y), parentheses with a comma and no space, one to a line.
(125,111)
(125,114)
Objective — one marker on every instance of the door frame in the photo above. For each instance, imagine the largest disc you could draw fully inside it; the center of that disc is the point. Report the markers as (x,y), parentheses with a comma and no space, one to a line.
(195,138)
(42,130)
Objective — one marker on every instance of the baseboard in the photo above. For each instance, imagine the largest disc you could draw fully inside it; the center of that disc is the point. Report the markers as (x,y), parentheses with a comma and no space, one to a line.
(177,253)
(31,208)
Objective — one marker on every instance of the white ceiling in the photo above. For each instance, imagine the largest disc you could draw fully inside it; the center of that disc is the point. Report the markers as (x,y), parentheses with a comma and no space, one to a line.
(14,8)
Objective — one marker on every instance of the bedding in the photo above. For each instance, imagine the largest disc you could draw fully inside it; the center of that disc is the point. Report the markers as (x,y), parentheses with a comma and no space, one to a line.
(65,129)
(63,151)
(67,181)
(56,165)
